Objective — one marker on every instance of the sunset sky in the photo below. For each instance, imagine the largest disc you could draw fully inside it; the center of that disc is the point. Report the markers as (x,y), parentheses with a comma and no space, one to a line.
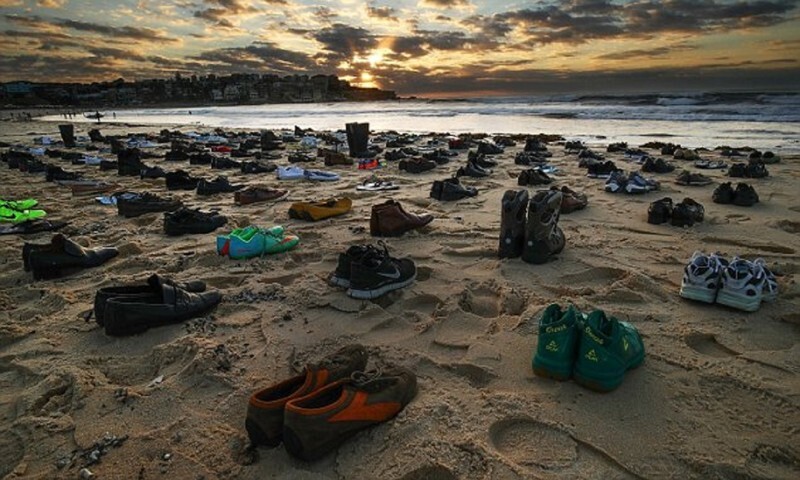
(441,47)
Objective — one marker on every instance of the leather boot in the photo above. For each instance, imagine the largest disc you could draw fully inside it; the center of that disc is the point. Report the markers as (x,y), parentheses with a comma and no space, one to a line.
(512,223)
(390,220)
(61,257)
(543,237)
(67,134)
(357,138)
(129,162)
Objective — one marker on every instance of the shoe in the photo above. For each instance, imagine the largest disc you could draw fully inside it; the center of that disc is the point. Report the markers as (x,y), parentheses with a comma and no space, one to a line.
(533,177)
(770,291)
(258,167)
(389,219)
(745,195)
(168,304)
(12,215)
(181,180)
(176,156)
(341,276)
(636,183)
(723,193)
(694,179)
(376,273)
(129,162)
(265,410)
(687,213)
(606,350)
(657,166)
(571,200)
(152,172)
(416,165)
(315,211)
(512,223)
(242,235)
(218,185)
(357,138)
(483,162)
(54,173)
(375,184)
(221,163)
(253,242)
(152,286)
(756,170)
(702,277)
(106,165)
(192,221)
(316,424)
(559,330)
(660,211)
(369,164)
(617,181)
(320,175)
(710,164)
(742,285)
(532,144)
(61,257)
(543,237)
(487,148)
(290,173)
(20,205)
(450,189)
(258,194)
(601,170)
(738,170)
(201,158)
(770,158)
(473,170)
(528,158)
(140,203)
(333,158)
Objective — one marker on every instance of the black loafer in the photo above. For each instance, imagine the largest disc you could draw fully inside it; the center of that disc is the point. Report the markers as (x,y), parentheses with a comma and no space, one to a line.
(149,289)
(61,257)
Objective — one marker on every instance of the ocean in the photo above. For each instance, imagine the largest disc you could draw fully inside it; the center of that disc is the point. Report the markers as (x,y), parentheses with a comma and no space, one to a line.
(768,121)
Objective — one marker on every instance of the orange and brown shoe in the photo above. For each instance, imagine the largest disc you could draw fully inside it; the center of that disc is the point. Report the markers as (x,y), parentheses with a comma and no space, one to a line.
(318,423)
(265,411)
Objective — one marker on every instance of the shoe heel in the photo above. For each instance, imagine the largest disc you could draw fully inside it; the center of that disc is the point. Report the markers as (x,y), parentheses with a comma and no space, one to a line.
(258,437)
(545,373)
(602,386)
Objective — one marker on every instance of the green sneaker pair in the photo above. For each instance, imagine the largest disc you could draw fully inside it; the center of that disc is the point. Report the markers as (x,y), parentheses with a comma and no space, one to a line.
(595,350)
(253,241)
(18,211)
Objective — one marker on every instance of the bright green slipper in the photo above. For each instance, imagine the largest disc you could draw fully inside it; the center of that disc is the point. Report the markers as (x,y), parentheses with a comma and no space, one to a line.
(19,216)
(558,340)
(607,349)
(26,204)
(275,241)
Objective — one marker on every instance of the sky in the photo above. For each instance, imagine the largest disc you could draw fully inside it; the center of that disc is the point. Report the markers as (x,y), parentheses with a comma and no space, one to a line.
(415,47)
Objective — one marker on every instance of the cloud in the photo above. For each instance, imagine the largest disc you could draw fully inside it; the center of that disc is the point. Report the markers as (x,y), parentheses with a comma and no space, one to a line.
(342,42)
(445,3)
(385,13)
(646,53)
(261,57)
(137,33)
(51,3)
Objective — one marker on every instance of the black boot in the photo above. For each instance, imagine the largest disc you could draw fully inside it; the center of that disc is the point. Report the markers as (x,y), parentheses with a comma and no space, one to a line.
(512,223)
(357,138)
(67,134)
(543,237)
(129,162)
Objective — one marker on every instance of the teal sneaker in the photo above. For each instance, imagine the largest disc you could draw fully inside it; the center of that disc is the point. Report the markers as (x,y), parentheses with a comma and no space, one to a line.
(224,241)
(558,340)
(607,349)
(276,241)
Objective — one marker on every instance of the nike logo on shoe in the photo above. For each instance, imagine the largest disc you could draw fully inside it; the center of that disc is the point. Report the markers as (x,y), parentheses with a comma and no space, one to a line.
(394,276)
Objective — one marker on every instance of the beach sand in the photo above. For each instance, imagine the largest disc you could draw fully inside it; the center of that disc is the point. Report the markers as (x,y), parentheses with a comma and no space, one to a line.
(718,395)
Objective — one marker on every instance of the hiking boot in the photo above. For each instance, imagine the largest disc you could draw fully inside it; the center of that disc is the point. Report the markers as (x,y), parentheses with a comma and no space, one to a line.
(450,189)
(416,165)
(258,194)
(745,195)
(571,200)
(742,285)
(315,211)
(376,273)
(702,277)
(61,257)
(152,286)
(357,138)
(222,163)
(558,341)
(607,349)
(152,172)
(543,237)
(723,193)
(617,181)
(218,185)
(660,211)
(389,219)
(67,134)
(512,223)
(129,162)
(188,221)
(318,423)
(180,180)
(265,410)
(687,213)
(258,167)
(141,203)
(694,179)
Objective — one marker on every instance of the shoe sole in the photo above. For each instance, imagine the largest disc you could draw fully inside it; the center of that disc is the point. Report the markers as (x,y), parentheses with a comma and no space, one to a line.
(698,294)
(378,292)
(740,302)
(543,368)
(603,383)
(335,281)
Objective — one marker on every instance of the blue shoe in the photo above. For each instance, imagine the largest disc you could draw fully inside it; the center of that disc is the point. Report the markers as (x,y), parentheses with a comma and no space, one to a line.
(321,176)
(291,173)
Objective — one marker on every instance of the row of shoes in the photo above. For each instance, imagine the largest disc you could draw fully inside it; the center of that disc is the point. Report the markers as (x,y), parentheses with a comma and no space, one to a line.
(738,283)
(451,189)
(390,219)
(633,183)
(529,225)
(62,257)
(253,241)
(595,349)
(744,195)
(314,412)
(369,271)
(320,210)
(684,214)
(132,309)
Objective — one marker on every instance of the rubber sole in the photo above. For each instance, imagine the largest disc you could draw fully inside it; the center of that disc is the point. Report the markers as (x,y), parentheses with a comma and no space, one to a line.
(362,294)
(699,294)
(740,302)
(542,369)
(603,383)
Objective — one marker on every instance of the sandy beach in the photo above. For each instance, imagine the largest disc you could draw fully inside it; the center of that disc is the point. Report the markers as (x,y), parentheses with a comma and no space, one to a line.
(718,395)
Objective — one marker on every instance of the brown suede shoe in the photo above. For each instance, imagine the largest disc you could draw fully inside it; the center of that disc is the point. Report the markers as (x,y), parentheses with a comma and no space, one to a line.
(571,200)
(390,220)
(258,194)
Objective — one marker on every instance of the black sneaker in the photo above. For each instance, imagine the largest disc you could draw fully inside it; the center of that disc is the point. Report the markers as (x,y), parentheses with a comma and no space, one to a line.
(450,189)
(377,273)
(185,221)
(218,185)
(745,195)
(201,159)
(660,211)
(657,166)
(528,158)
(756,169)
(258,167)
(224,163)
(487,148)
(134,205)
(588,153)
(394,155)
(723,194)
(181,180)
(152,172)
(687,213)
(512,223)
(738,170)
(532,144)
(601,170)
(341,276)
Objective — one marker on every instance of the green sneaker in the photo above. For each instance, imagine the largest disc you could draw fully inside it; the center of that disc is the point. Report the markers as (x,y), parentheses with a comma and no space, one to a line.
(558,340)
(607,349)
(275,241)
(224,241)
(19,216)
(26,204)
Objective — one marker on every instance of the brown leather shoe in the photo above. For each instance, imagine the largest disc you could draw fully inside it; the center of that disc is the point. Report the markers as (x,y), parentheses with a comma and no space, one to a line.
(258,194)
(571,200)
(390,220)
(333,158)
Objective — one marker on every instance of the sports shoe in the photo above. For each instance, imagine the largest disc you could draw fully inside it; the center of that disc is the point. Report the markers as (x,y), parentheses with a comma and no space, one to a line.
(693,179)
(512,223)
(770,290)
(258,167)
(702,277)
(253,242)
(377,273)
(617,180)
(742,285)
(745,195)
(533,176)
(660,211)
(341,276)
(756,169)
(607,349)
(687,213)
(636,183)
(265,410)
(738,170)
(136,204)
(487,148)
(416,165)
(559,330)
(13,215)
(723,193)
(473,170)
(543,236)
(375,184)
(224,241)
(318,423)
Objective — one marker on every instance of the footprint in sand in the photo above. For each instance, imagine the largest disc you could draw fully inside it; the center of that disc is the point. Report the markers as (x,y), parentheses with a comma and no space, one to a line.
(768,461)
(788,226)
(430,472)
(482,300)
(12,452)
(750,246)
(707,344)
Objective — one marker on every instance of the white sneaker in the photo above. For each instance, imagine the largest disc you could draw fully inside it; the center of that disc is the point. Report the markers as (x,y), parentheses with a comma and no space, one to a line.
(702,277)
(743,285)
(770,291)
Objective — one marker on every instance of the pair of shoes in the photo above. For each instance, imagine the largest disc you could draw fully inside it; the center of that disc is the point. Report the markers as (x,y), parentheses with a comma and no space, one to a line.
(571,200)
(487,148)
(258,194)
(314,412)
(202,158)
(754,169)
(739,283)
(529,228)
(152,172)
(450,189)
(473,170)
(369,164)
(694,179)
(136,204)
(710,164)
(218,185)
(389,219)
(416,165)
(181,180)
(529,158)
(595,349)
(632,183)
(20,211)
(533,176)
(480,160)
(369,272)
(657,166)
(744,195)
(333,158)
(192,221)
(597,169)
(253,241)
(132,309)
(61,257)
(316,211)
(684,214)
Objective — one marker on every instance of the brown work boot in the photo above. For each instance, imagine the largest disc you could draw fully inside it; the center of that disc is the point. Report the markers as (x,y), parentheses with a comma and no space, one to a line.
(390,220)
(258,194)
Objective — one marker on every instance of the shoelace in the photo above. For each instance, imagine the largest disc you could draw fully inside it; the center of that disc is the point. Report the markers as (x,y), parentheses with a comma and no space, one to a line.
(363,379)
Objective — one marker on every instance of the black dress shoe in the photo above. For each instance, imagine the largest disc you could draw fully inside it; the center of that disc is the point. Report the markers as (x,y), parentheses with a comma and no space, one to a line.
(473,170)
(152,172)
(218,185)
(181,180)
(152,287)
(224,163)
(201,159)
(168,304)
(187,221)
(141,203)
(54,173)
(450,189)
(61,257)
(176,156)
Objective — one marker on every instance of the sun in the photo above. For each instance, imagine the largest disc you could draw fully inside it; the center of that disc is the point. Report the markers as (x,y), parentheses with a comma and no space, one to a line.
(375,58)
(367,80)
